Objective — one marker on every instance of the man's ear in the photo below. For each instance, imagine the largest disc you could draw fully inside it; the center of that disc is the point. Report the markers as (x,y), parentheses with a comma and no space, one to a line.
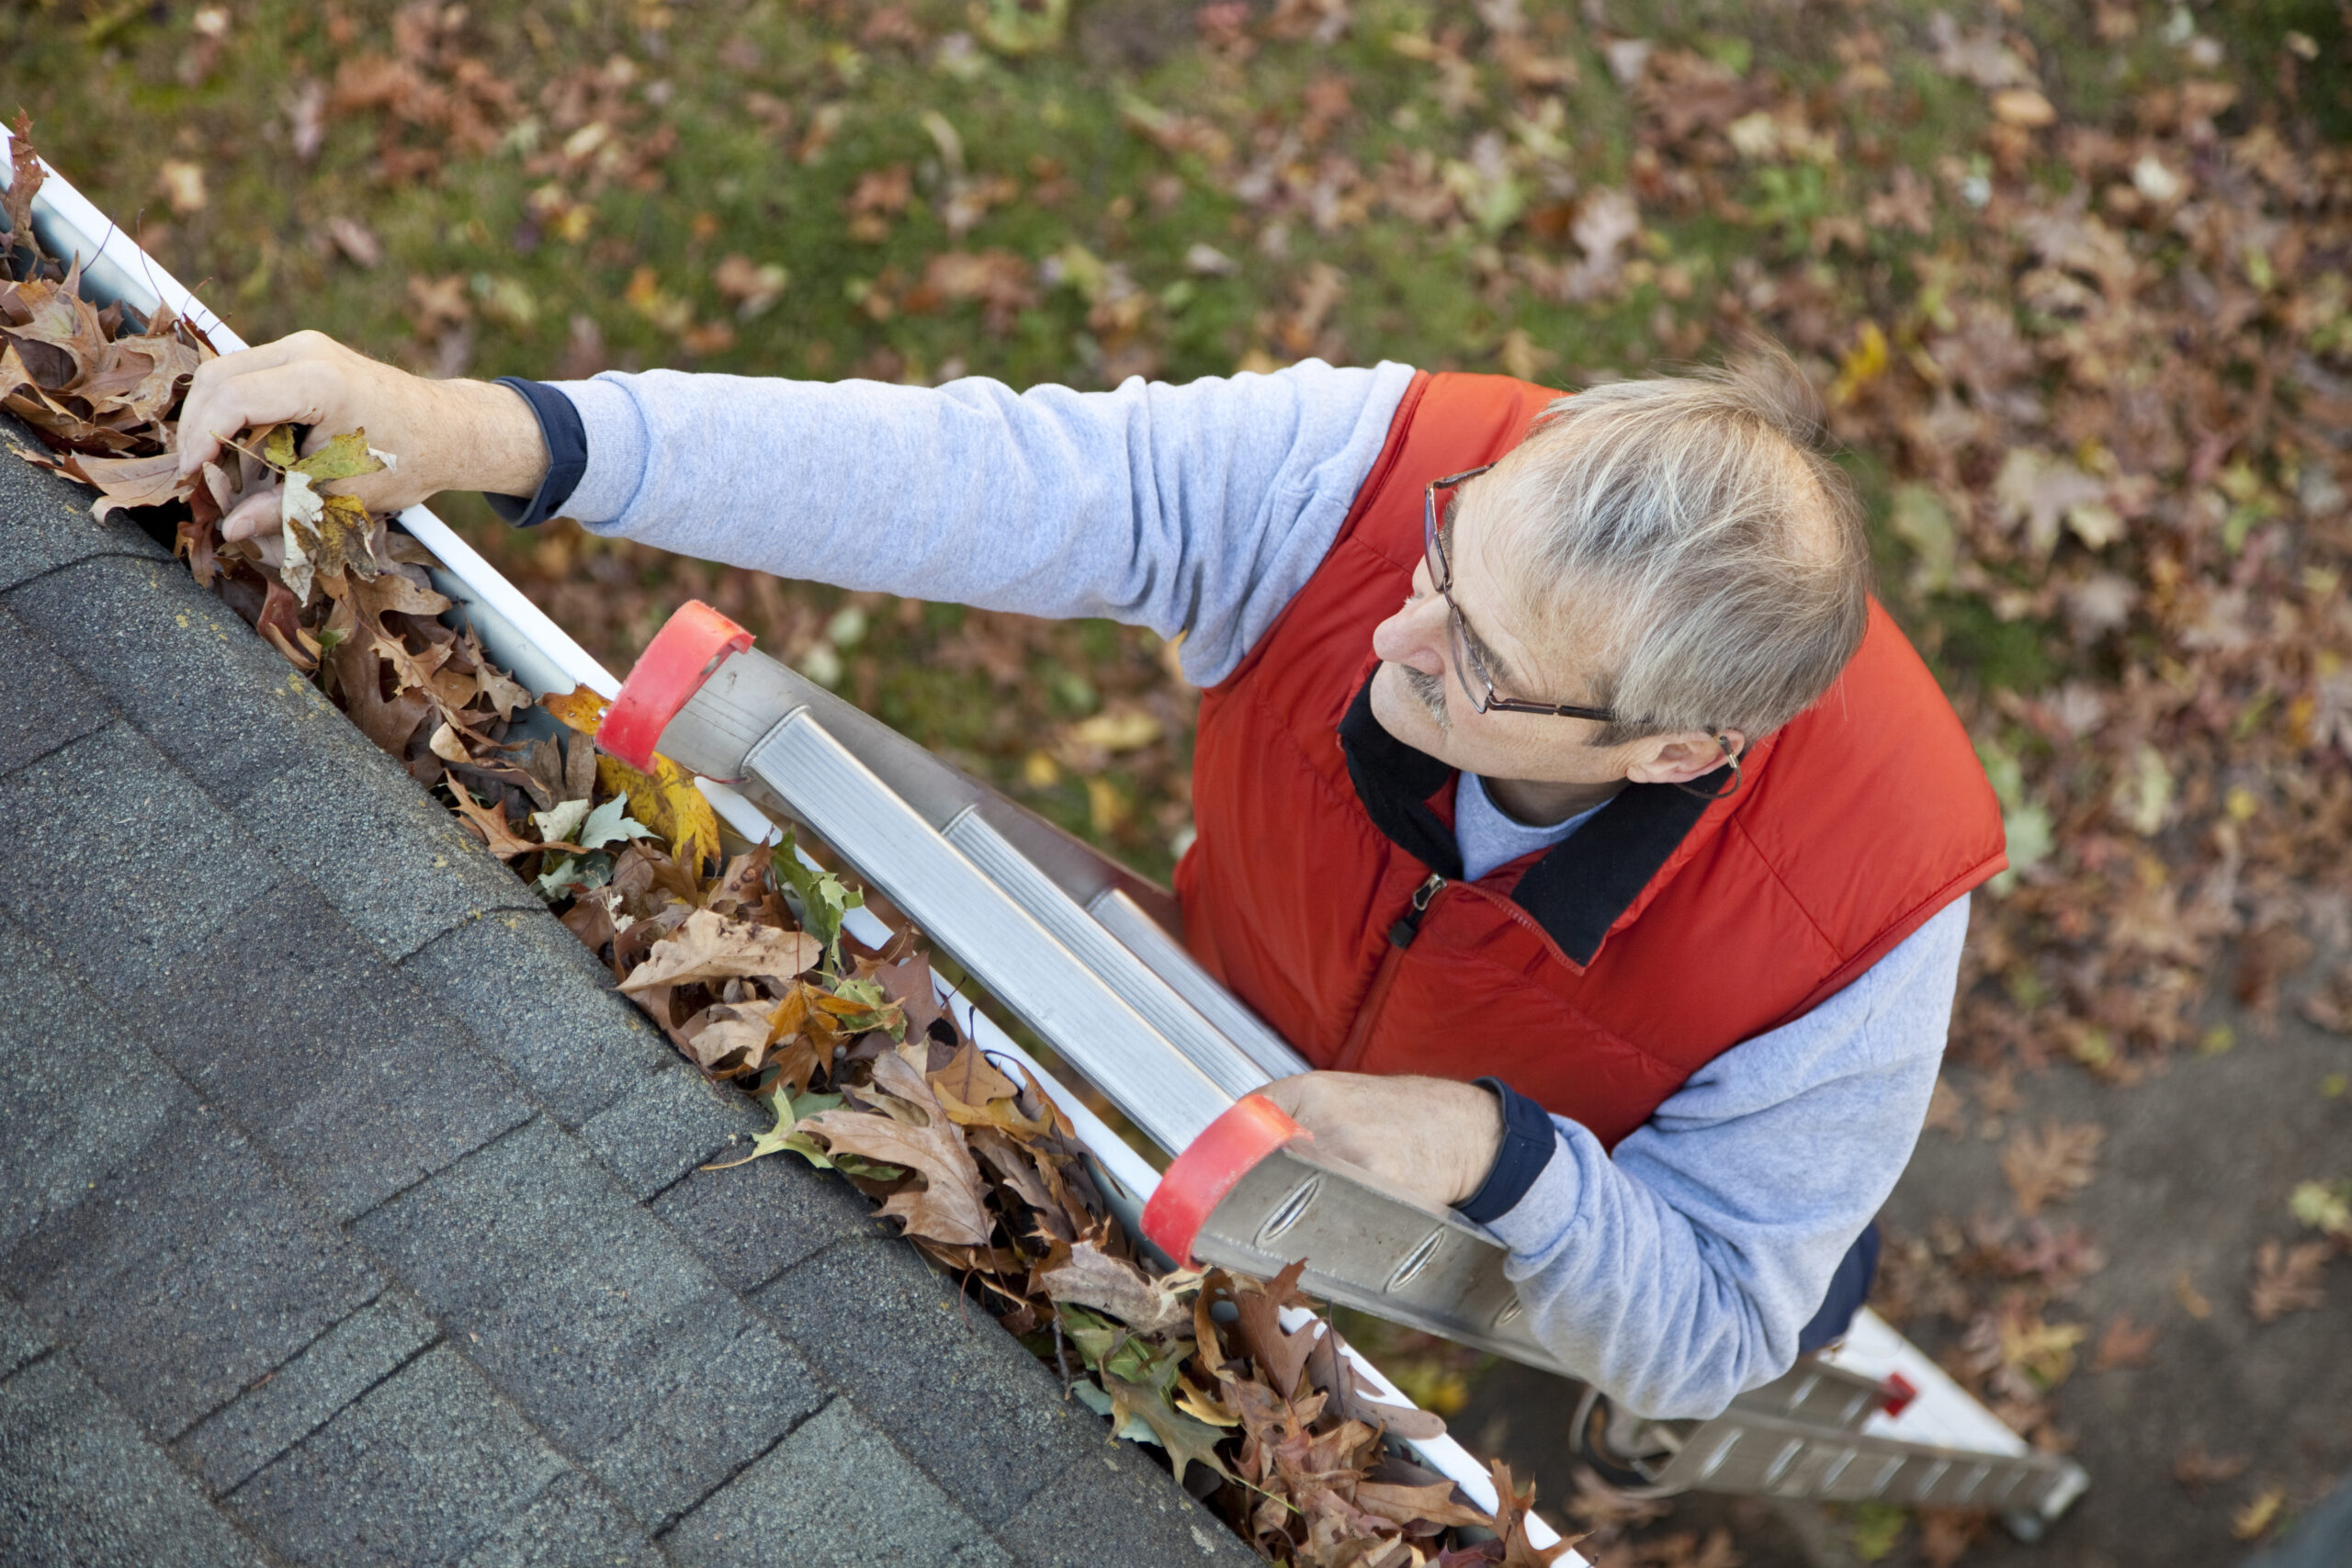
(1684,756)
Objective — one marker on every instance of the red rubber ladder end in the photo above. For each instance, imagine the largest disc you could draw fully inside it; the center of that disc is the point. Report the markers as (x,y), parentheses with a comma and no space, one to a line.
(1199,1179)
(690,643)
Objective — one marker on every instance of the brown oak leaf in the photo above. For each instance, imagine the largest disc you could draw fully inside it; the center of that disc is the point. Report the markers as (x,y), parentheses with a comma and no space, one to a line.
(2286,1279)
(709,946)
(2051,1164)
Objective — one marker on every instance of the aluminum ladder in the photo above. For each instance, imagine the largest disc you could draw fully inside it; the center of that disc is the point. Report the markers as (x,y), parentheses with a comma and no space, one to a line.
(1082,950)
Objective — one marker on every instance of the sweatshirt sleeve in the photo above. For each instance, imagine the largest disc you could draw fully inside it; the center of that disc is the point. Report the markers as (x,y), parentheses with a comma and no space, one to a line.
(1681,1272)
(1198,508)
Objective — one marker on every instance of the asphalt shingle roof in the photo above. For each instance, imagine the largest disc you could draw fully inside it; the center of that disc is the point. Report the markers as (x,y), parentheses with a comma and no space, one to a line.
(348,1216)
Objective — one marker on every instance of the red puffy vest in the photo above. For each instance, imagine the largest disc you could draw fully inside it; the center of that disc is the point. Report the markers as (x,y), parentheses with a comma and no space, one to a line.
(1595,976)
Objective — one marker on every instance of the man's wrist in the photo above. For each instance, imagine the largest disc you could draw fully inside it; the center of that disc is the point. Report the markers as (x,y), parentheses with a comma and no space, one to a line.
(557,450)
(1528,1142)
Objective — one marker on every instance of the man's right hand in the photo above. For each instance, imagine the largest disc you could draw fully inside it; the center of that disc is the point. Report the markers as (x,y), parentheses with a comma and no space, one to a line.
(442,434)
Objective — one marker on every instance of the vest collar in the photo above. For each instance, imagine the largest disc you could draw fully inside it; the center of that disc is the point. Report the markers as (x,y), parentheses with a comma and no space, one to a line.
(1629,846)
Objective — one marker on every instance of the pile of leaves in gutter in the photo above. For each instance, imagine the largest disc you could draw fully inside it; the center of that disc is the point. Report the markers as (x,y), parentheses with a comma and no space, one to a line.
(1236,1379)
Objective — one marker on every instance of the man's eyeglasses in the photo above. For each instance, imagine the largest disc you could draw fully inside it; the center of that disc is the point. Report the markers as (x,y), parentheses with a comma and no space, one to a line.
(1466,660)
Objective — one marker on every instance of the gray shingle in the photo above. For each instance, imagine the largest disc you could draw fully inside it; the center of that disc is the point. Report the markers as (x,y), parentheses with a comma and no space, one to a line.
(531,993)
(834,1495)
(116,858)
(388,856)
(184,667)
(881,1327)
(186,1275)
(429,1467)
(328,1054)
(570,1524)
(754,1221)
(80,1487)
(594,1319)
(79,1096)
(20,1338)
(43,703)
(1121,1510)
(49,518)
(676,1122)
(337,1368)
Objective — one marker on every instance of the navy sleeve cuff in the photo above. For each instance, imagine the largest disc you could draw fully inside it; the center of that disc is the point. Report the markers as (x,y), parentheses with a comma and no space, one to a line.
(1529,1139)
(567,441)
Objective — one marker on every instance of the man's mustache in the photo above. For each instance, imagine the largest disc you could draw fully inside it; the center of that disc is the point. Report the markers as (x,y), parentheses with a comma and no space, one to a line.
(1428,690)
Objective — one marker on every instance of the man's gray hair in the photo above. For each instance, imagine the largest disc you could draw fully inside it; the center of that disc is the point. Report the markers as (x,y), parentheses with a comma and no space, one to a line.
(1698,526)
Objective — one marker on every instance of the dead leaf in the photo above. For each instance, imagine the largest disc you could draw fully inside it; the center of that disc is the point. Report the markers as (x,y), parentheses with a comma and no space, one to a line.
(2053,1164)
(951,1205)
(2249,1522)
(2286,1279)
(668,803)
(490,825)
(2125,1343)
(709,946)
(1095,1279)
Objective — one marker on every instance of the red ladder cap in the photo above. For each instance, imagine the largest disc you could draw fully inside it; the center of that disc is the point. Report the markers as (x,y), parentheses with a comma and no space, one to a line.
(1896,1393)
(1227,1150)
(690,643)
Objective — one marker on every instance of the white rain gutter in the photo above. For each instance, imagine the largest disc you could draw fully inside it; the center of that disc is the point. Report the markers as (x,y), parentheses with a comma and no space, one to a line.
(546,657)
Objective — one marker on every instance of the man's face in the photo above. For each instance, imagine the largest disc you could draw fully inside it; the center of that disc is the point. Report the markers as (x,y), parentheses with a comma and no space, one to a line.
(1421,697)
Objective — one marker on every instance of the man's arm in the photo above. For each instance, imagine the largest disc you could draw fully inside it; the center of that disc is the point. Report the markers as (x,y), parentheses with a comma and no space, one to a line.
(1681,1272)
(1199,508)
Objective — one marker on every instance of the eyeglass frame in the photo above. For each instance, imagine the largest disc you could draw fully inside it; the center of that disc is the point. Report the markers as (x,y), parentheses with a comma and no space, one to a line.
(1465,652)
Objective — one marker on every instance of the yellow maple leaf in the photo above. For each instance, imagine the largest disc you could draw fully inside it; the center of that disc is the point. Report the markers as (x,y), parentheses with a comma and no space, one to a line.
(668,803)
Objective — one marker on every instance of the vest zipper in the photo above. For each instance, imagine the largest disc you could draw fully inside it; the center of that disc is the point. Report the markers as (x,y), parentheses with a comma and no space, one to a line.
(1401,937)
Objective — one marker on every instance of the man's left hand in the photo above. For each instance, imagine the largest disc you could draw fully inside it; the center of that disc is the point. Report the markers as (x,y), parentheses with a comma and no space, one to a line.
(1435,1137)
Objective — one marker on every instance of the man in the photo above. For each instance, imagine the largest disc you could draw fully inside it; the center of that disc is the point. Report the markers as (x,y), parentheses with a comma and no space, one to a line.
(1554,759)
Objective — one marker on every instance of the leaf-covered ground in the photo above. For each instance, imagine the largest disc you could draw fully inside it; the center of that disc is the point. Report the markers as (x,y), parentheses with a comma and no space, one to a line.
(2073,276)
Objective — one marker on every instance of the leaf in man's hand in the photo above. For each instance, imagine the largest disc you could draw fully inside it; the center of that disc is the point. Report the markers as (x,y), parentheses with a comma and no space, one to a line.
(277,447)
(709,946)
(346,456)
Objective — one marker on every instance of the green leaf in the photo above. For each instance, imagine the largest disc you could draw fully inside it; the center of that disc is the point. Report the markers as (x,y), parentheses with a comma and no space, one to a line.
(575,874)
(823,897)
(609,824)
(789,1113)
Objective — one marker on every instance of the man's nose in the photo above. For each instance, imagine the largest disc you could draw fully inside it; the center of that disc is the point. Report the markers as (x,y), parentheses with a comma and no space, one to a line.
(1415,636)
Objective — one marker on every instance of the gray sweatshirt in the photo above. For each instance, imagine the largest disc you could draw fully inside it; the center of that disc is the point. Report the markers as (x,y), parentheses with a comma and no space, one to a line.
(1674,1275)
